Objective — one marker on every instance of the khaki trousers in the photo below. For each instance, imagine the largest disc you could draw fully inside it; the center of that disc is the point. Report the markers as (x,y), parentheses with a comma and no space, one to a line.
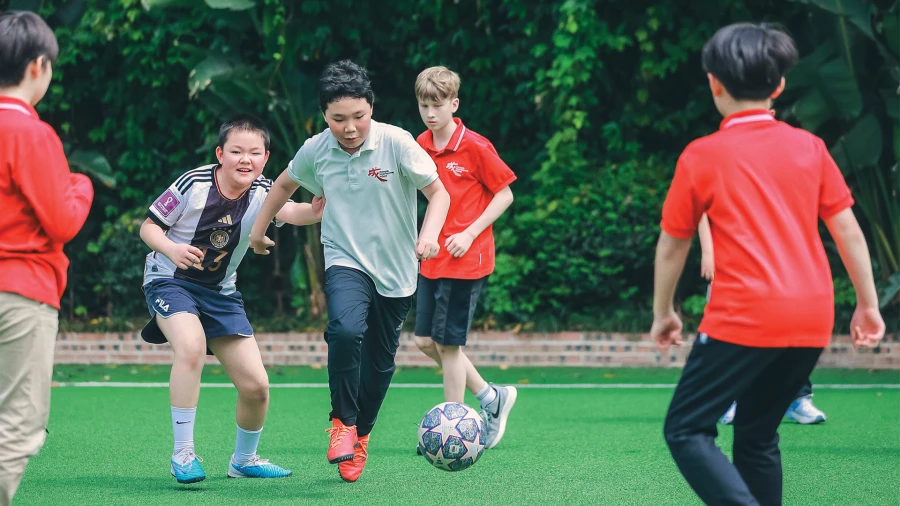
(27,339)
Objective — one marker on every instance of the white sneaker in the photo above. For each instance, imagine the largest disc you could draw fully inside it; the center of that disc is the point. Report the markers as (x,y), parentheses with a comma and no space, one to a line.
(495,423)
(728,417)
(804,412)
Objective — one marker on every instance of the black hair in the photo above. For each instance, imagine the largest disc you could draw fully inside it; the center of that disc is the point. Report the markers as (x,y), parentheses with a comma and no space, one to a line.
(344,79)
(750,59)
(24,37)
(243,123)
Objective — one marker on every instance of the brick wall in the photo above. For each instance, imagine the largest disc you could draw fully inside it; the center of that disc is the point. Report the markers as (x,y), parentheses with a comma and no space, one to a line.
(584,349)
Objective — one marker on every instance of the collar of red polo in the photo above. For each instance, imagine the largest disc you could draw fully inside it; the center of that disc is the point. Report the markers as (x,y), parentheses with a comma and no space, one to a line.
(748,116)
(455,139)
(8,103)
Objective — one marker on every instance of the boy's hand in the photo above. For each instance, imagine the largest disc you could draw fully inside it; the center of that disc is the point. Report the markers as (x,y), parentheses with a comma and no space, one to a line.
(260,245)
(427,248)
(866,327)
(666,331)
(318,206)
(459,244)
(707,267)
(184,256)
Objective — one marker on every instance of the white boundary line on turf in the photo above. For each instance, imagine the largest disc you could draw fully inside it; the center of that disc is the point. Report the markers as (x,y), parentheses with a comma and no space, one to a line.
(548,386)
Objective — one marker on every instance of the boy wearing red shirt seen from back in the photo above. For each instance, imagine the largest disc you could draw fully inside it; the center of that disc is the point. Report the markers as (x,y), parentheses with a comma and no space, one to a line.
(44,206)
(763,185)
(449,284)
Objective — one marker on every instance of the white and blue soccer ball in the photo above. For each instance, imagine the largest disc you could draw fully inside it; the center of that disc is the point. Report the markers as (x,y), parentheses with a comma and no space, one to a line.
(451,436)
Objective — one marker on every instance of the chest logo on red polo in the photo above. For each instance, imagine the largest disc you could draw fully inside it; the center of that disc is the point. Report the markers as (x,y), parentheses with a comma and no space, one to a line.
(380,174)
(456,169)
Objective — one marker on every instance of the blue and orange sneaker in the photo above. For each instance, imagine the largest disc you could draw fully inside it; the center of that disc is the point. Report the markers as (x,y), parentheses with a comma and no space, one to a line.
(343,441)
(257,468)
(186,467)
(350,470)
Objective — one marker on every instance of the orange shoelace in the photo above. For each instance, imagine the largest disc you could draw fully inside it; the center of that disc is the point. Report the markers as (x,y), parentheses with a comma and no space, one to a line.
(337,434)
(361,451)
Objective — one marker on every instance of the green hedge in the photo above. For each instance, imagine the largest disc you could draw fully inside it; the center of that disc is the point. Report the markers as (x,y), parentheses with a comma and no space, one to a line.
(589,102)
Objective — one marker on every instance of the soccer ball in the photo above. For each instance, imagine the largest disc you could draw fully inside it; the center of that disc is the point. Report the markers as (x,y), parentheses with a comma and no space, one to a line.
(451,436)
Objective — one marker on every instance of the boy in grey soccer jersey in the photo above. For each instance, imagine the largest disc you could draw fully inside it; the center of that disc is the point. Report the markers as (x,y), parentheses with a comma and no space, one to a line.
(370,172)
(199,232)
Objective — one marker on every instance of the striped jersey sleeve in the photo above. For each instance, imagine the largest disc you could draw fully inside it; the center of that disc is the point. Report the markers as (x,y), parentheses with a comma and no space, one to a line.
(169,206)
(261,187)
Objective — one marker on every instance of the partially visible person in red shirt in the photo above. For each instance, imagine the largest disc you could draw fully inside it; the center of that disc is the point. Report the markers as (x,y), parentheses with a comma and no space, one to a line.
(43,207)
(764,186)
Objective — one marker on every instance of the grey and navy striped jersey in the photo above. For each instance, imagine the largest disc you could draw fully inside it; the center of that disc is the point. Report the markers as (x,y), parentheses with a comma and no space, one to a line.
(192,211)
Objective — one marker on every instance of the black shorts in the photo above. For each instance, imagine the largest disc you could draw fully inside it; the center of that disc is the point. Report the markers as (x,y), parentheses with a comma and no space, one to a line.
(445,307)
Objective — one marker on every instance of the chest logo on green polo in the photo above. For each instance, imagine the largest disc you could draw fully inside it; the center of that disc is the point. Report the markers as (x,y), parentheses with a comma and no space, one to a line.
(380,174)
(456,169)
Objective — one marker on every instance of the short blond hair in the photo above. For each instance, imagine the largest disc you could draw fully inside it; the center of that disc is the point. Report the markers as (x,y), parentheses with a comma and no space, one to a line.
(437,84)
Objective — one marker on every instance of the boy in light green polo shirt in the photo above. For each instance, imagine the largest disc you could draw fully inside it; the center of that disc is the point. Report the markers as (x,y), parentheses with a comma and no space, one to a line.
(370,173)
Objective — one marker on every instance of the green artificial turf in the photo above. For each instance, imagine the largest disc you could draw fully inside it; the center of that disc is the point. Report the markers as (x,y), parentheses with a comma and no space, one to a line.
(563,445)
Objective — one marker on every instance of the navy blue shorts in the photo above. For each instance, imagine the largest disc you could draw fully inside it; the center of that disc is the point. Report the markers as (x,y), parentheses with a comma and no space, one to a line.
(445,307)
(220,315)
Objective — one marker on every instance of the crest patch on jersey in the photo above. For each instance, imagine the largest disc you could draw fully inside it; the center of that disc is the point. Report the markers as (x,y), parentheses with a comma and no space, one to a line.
(166,203)
(218,239)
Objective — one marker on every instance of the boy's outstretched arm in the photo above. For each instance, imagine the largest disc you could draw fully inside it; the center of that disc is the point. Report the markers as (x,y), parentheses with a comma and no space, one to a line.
(279,194)
(182,255)
(707,258)
(867,325)
(671,254)
(301,214)
(435,215)
(458,244)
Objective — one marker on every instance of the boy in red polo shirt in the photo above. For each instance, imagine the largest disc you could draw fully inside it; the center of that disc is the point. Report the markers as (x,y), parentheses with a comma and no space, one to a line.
(449,284)
(763,185)
(44,206)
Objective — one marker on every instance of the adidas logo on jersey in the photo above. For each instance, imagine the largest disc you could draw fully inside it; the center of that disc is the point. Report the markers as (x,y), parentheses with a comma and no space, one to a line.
(226,220)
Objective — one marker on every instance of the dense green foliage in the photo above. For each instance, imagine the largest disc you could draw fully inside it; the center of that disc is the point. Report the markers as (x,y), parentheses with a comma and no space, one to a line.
(589,102)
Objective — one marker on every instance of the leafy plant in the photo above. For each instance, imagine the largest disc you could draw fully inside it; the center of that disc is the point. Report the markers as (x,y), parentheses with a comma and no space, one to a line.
(846,91)
(118,252)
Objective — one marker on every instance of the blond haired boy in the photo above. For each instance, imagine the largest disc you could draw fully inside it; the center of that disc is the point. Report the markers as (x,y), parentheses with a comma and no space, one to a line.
(449,284)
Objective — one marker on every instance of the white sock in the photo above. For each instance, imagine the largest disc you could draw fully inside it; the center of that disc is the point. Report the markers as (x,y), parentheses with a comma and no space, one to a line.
(245,445)
(486,396)
(183,428)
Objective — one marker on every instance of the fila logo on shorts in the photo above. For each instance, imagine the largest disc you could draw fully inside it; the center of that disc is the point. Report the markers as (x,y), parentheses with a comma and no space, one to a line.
(162,304)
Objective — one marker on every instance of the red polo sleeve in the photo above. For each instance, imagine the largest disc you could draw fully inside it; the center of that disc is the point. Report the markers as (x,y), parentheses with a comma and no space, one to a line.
(683,207)
(61,200)
(493,172)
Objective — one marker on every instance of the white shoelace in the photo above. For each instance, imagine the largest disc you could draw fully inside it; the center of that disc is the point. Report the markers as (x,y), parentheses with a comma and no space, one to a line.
(255,461)
(186,456)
